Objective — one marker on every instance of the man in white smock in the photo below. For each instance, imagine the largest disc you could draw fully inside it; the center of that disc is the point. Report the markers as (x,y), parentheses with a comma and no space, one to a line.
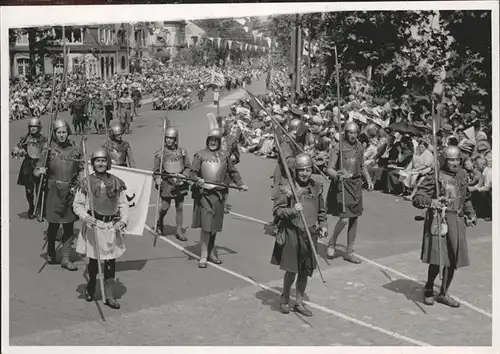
(110,218)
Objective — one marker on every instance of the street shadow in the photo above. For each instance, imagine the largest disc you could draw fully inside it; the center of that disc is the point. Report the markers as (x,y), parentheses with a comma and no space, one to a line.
(411,290)
(136,265)
(169,230)
(196,249)
(272,300)
(119,289)
(24,215)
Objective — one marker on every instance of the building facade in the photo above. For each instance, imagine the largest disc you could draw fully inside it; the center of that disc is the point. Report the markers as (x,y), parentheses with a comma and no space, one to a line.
(100,50)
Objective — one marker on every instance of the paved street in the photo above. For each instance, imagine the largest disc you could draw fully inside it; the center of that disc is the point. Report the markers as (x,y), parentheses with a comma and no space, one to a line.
(167,300)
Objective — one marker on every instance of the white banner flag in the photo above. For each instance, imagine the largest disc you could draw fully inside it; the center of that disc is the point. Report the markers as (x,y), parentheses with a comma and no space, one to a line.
(138,183)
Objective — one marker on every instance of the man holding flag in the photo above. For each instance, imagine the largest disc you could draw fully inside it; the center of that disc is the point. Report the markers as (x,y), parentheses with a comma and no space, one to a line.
(105,193)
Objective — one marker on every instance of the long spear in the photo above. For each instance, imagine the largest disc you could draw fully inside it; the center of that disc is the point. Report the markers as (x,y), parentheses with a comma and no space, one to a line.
(285,132)
(165,126)
(49,128)
(342,186)
(295,196)
(53,117)
(169,175)
(436,178)
(91,205)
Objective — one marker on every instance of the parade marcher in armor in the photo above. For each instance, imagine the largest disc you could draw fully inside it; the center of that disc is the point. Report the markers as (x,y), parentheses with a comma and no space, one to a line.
(111,216)
(118,149)
(292,249)
(30,147)
(351,177)
(229,144)
(136,97)
(454,199)
(125,111)
(109,108)
(63,171)
(175,162)
(77,110)
(211,165)
(297,130)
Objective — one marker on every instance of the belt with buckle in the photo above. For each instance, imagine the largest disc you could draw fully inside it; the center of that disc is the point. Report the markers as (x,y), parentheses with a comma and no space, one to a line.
(104,218)
(459,213)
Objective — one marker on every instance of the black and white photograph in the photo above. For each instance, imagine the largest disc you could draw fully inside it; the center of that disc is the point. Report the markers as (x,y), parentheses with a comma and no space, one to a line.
(249,175)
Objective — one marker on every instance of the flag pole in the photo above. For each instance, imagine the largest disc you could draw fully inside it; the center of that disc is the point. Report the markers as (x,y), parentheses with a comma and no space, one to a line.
(165,121)
(94,229)
(341,155)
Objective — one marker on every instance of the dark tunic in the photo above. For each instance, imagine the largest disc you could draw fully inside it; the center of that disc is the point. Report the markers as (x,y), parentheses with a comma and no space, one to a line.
(352,155)
(64,164)
(296,253)
(32,146)
(208,210)
(173,187)
(453,246)
(230,145)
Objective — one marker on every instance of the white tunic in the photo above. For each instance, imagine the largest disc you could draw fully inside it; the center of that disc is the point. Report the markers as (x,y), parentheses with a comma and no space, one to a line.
(111,242)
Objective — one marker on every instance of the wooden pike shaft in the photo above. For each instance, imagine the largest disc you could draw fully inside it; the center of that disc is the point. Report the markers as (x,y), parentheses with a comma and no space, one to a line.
(302,217)
(341,157)
(91,205)
(159,187)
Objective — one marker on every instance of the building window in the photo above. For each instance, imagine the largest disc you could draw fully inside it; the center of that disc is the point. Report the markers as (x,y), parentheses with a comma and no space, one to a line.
(23,66)
(123,63)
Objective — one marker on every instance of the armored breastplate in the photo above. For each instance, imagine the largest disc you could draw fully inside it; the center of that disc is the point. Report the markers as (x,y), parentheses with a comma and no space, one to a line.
(450,189)
(309,202)
(118,153)
(103,204)
(64,163)
(173,161)
(213,168)
(34,147)
(351,158)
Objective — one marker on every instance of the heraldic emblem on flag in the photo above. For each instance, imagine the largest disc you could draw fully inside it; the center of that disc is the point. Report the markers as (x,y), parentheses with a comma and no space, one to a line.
(210,77)
(138,192)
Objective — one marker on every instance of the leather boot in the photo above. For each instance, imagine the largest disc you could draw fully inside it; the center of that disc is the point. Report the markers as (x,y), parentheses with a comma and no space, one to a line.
(212,253)
(66,251)
(90,290)
(108,290)
(285,304)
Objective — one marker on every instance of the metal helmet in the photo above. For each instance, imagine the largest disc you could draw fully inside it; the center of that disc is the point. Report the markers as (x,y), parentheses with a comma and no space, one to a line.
(215,133)
(35,122)
(352,126)
(59,123)
(101,153)
(172,133)
(303,161)
(451,152)
(294,125)
(116,129)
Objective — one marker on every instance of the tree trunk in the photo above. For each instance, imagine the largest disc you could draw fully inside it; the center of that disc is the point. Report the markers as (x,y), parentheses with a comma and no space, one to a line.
(32,50)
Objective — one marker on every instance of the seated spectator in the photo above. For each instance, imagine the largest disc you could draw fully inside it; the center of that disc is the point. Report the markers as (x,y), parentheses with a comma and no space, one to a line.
(481,192)
(420,165)
(473,175)
(394,185)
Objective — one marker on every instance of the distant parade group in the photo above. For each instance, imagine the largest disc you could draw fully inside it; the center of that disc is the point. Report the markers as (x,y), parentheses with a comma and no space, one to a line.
(60,190)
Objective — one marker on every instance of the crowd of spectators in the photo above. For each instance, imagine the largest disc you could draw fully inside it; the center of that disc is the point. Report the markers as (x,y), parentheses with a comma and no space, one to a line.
(397,136)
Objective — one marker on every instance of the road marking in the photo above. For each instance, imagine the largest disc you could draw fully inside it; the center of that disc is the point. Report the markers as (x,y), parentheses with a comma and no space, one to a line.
(311,304)
(381,266)
(232,213)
